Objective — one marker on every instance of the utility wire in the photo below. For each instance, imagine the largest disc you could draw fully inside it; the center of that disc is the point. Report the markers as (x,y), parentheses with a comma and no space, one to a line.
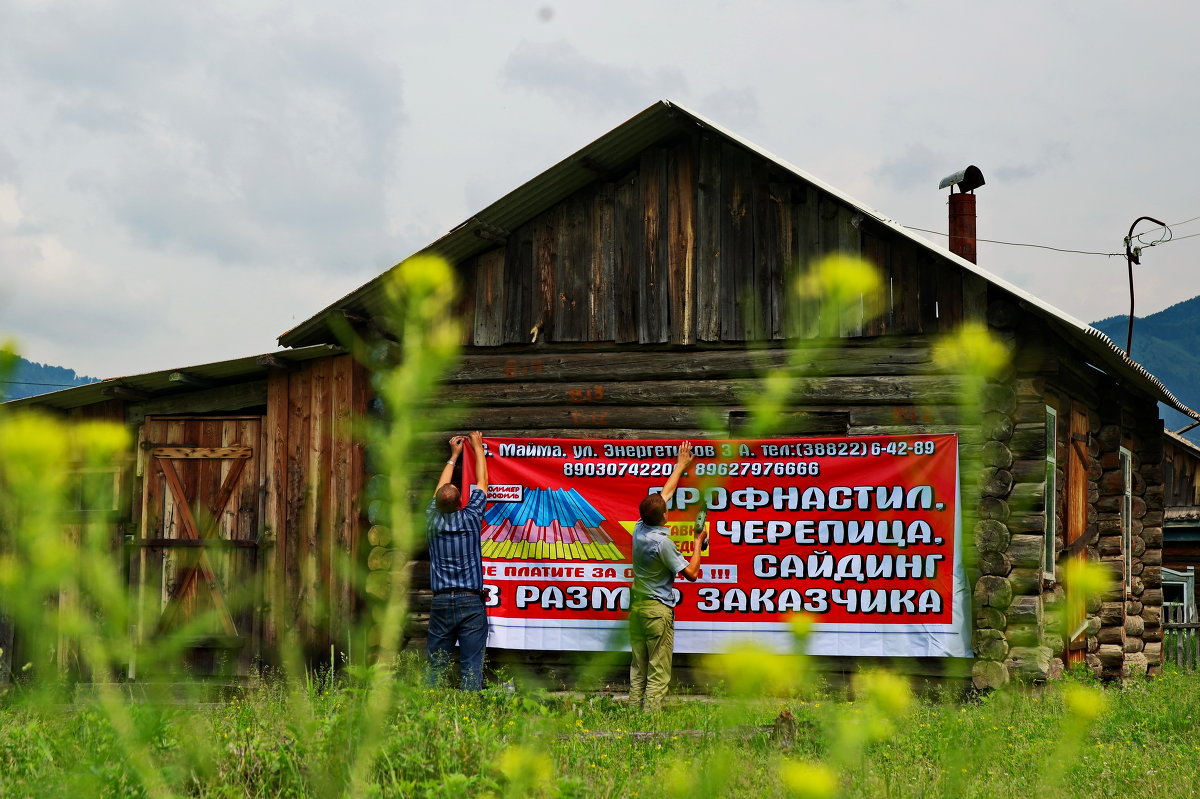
(1177,224)
(1166,239)
(1020,244)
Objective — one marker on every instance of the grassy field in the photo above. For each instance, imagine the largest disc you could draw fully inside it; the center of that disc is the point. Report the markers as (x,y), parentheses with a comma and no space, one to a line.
(1068,739)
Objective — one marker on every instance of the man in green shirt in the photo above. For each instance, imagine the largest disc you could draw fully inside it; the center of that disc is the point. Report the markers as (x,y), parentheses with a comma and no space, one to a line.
(656,562)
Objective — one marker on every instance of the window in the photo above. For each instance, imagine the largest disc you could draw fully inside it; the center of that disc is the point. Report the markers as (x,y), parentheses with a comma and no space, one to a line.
(1127,517)
(1179,594)
(93,490)
(1051,491)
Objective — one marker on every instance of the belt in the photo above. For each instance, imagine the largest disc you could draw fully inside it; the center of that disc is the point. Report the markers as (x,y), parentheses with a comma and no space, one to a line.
(457,592)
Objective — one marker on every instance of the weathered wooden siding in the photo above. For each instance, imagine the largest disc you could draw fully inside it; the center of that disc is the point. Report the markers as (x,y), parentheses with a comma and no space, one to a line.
(699,241)
(314,479)
(1181,467)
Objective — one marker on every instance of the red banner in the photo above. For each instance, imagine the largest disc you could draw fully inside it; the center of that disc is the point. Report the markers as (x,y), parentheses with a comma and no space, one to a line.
(860,533)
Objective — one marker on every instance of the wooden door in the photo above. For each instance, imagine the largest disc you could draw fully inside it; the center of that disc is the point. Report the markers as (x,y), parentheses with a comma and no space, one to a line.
(1077,511)
(199,539)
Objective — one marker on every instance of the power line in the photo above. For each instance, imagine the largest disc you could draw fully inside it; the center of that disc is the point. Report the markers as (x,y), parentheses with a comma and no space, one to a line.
(1159,243)
(1176,224)
(1166,239)
(1022,244)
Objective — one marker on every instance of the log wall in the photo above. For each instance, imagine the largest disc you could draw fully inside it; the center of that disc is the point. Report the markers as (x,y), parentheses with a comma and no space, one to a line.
(856,386)
(1021,629)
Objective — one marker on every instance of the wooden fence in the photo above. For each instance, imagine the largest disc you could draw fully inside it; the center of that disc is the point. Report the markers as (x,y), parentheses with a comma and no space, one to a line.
(1181,637)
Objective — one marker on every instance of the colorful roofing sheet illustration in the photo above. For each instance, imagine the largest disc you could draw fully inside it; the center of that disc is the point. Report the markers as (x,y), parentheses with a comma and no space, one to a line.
(550,524)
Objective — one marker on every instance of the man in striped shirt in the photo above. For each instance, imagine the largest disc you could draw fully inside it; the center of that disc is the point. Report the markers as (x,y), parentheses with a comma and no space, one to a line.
(458,615)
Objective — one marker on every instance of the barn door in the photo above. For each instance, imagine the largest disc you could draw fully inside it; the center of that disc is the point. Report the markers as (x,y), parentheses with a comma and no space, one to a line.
(199,538)
(1077,512)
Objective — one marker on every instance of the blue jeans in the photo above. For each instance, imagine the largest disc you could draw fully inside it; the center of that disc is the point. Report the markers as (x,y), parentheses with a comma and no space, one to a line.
(458,618)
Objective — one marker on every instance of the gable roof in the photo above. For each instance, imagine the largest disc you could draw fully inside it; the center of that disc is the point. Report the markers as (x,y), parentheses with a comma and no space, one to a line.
(607,154)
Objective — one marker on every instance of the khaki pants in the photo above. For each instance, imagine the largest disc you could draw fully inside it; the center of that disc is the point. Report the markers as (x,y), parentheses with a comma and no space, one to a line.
(652,634)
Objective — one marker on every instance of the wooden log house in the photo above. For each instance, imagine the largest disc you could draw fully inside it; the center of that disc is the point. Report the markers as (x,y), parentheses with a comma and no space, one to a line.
(1181,473)
(647,278)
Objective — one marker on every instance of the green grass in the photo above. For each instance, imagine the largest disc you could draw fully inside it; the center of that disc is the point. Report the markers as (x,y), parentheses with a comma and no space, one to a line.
(444,743)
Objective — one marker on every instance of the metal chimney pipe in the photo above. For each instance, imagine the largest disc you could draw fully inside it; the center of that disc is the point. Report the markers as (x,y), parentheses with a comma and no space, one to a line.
(962,226)
(962,210)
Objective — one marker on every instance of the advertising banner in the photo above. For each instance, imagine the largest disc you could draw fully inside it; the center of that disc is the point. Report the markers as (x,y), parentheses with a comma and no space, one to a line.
(862,534)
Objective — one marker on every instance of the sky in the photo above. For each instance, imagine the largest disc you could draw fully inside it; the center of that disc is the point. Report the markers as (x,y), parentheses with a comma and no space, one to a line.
(182,183)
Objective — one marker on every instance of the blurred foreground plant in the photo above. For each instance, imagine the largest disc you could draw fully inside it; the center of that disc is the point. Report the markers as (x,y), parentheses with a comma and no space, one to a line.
(61,586)
(62,581)
(422,291)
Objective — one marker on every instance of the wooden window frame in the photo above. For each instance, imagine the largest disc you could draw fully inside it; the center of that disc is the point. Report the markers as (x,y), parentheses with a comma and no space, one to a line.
(78,475)
(1051,502)
(1126,461)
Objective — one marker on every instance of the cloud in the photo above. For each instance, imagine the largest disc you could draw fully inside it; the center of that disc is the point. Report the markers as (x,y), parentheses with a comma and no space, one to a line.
(561,72)
(1052,154)
(8,165)
(245,139)
(734,108)
(917,165)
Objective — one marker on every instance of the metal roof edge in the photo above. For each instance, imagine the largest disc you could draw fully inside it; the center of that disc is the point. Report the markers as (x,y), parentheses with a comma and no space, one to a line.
(91,393)
(1102,345)
(1183,442)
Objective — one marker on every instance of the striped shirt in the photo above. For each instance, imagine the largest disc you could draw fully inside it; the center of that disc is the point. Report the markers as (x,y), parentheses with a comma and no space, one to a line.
(455,548)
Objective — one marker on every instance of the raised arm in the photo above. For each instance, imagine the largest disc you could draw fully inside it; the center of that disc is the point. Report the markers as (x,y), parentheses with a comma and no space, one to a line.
(692,571)
(481,475)
(456,445)
(681,462)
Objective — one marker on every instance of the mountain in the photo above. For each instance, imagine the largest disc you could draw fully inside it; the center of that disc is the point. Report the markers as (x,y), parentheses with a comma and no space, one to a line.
(21,378)
(1168,344)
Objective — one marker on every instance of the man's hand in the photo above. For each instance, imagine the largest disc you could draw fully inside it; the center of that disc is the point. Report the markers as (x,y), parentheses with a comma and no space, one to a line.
(685,457)
(699,542)
(476,439)
(698,532)
(681,462)
(456,445)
